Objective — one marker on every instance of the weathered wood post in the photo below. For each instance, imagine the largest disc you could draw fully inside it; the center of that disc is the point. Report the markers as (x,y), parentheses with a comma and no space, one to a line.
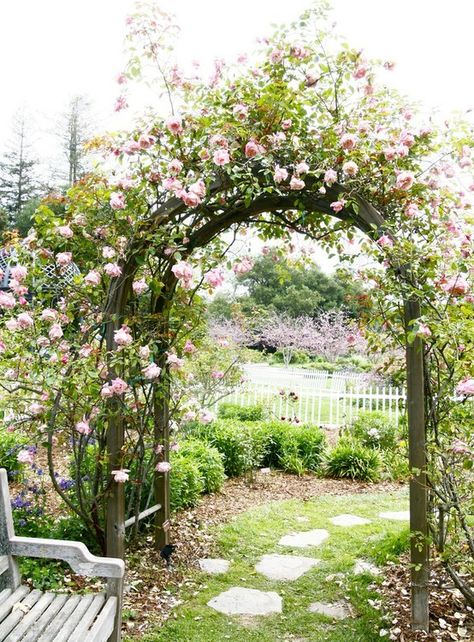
(161,480)
(419,546)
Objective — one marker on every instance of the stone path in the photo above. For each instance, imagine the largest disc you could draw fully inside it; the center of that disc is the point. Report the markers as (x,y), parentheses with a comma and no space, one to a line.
(246,601)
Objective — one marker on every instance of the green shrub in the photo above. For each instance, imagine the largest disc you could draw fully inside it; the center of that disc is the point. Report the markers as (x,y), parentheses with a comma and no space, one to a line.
(374,430)
(209,461)
(350,459)
(10,445)
(242,413)
(396,466)
(186,482)
(241,447)
(295,448)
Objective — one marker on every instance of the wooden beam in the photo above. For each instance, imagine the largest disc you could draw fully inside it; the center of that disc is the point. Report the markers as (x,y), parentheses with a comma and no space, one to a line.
(145,513)
(419,547)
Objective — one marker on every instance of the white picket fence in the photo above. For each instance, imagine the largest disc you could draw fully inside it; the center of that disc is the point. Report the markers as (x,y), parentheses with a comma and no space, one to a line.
(333,404)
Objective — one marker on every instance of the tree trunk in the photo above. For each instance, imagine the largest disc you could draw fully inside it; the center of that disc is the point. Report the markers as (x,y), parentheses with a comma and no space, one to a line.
(418,490)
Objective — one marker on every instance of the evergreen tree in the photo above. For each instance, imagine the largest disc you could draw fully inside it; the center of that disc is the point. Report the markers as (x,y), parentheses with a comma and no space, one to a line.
(74,131)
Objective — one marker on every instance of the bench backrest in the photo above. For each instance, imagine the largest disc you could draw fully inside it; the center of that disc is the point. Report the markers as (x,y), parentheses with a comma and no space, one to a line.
(9,573)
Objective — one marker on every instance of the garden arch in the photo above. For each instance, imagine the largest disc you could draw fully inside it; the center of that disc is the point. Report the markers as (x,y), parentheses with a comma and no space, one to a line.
(309,205)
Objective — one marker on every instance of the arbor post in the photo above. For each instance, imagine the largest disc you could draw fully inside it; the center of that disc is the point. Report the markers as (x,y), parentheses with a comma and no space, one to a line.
(161,480)
(419,546)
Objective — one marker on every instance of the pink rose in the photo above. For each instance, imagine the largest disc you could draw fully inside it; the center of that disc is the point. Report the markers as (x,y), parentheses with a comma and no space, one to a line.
(456,285)
(83,427)
(120,476)
(301,168)
(360,72)
(280,174)
(243,266)
(190,199)
(218,374)
(18,273)
(385,241)
(106,391)
(151,372)
(112,269)
(146,140)
(348,141)
(460,447)
(407,138)
(139,287)
(174,125)
(123,336)
(85,351)
(117,201)
(108,252)
(36,408)
(337,206)
(214,278)
(217,140)
(49,315)
(144,352)
(184,273)
(65,231)
(92,278)
(221,157)
(163,467)
(465,387)
(405,180)
(174,362)
(7,301)
(25,321)
(189,347)
(252,149)
(120,103)
(424,331)
(350,168)
(330,177)
(121,79)
(55,332)
(276,56)
(296,183)
(240,111)
(119,386)
(198,188)
(175,166)
(190,415)
(63,258)
(26,457)
(411,210)
(206,417)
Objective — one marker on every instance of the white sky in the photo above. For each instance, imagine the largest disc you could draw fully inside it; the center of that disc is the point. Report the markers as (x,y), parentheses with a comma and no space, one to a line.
(53,49)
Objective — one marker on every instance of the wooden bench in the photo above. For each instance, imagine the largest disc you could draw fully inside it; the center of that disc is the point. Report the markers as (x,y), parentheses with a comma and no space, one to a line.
(36,616)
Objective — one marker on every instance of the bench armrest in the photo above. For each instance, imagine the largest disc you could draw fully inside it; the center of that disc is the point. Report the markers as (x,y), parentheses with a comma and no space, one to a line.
(75,554)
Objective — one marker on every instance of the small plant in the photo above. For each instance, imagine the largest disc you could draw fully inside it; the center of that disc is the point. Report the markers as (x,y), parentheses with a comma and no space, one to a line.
(209,461)
(352,460)
(241,447)
(374,430)
(186,482)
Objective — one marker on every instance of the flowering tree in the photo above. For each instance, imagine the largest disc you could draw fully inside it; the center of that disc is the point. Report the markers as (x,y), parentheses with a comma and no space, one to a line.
(301,138)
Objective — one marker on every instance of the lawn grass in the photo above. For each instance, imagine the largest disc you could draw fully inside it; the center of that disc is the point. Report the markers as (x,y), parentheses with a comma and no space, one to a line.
(257,532)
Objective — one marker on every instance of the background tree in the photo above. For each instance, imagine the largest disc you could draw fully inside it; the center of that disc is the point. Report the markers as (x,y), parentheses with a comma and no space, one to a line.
(18,170)
(74,130)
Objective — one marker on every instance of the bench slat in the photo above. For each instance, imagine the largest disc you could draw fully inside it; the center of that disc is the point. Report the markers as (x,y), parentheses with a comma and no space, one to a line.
(70,625)
(104,625)
(30,618)
(88,618)
(4,594)
(60,619)
(17,614)
(48,615)
(15,597)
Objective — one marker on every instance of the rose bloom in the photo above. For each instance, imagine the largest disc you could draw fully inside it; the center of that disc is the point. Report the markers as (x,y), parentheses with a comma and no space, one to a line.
(206,417)
(92,278)
(337,206)
(26,457)
(7,301)
(25,320)
(119,386)
(286,124)
(117,201)
(330,177)
(406,139)
(163,467)
(189,347)
(65,231)
(348,141)
(240,111)
(360,72)
(276,55)
(296,183)
(18,273)
(36,408)
(56,332)
(108,252)
(85,351)
(144,352)
(221,157)
(106,391)
(456,285)
(198,188)
(120,476)
(280,174)
(112,269)
(385,241)
(175,166)
(460,447)
(174,125)
(123,337)
(139,287)
(190,199)
(214,278)
(174,362)
(183,271)
(152,371)
(12,325)
(465,387)
(411,210)
(120,103)
(301,168)
(243,266)
(146,140)
(190,415)
(424,331)
(83,427)
(49,314)
(252,149)
(405,180)
(350,168)
(217,374)
(63,258)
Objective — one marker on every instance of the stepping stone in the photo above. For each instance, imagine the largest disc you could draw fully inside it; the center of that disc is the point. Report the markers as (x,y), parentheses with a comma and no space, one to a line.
(305,538)
(401,516)
(246,601)
(349,520)
(285,567)
(337,610)
(213,566)
(365,567)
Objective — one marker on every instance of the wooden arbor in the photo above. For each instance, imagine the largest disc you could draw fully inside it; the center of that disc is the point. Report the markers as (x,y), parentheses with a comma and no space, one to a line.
(266,209)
